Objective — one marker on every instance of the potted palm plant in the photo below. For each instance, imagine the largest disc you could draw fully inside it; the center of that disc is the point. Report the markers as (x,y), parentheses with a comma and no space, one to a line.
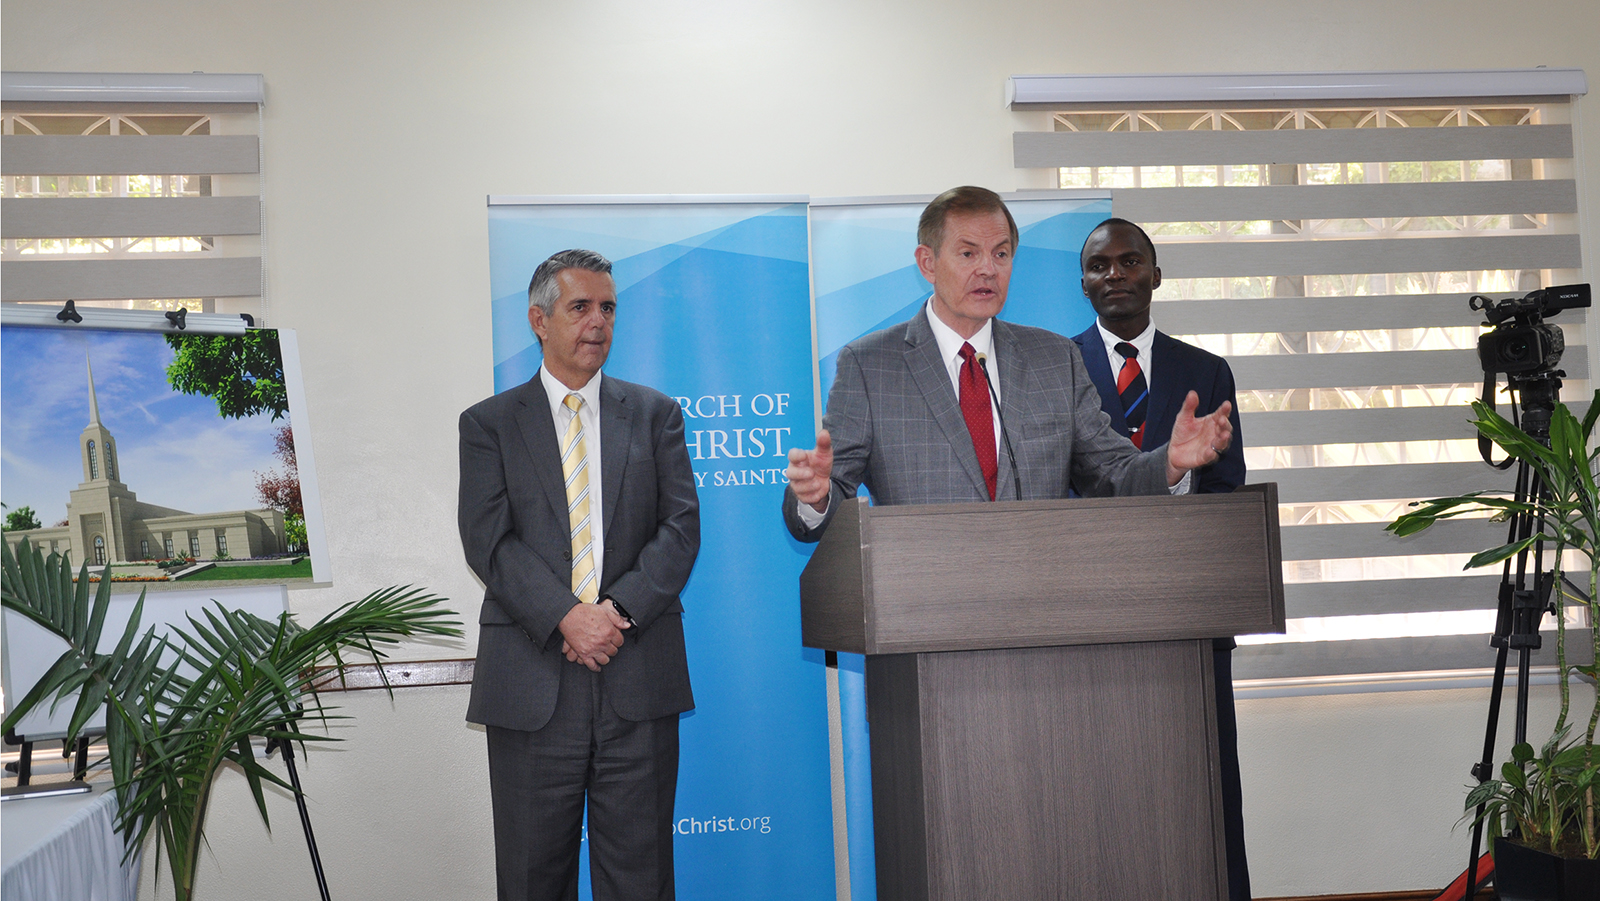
(1541,812)
(182,707)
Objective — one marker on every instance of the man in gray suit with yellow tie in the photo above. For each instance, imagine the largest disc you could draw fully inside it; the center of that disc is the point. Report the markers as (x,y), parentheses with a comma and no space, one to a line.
(955,405)
(578,511)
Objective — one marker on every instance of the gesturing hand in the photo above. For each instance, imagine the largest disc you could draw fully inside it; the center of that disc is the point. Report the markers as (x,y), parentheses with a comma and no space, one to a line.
(810,472)
(1197,441)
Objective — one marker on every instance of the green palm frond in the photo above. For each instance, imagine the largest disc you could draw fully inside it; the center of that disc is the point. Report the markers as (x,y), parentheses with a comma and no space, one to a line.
(181,707)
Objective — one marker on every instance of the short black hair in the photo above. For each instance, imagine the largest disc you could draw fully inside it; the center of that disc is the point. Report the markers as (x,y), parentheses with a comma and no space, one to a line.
(1115,221)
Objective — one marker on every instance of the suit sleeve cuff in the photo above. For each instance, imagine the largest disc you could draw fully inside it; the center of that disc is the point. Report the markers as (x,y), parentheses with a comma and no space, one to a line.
(809,517)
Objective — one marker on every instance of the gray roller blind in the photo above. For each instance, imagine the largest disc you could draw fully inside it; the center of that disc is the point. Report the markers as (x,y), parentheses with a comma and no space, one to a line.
(1347,201)
(1359,255)
(1336,483)
(129,154)
(1319,427)
(146,202)
(1358,370)
(1423,653)
(1327,145)
(1380,311)
(35,281)
(1328,253)
(1464,592)
(131,217)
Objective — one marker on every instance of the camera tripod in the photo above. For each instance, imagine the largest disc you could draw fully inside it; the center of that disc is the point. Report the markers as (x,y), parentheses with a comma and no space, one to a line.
(1525,585)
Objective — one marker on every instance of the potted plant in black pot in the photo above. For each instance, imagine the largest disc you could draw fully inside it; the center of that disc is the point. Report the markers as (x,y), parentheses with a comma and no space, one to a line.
(1543,813)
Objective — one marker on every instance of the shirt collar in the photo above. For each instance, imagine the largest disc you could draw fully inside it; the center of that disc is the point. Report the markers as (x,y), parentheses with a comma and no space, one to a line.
(557,392)
(950,342)
(1143,341)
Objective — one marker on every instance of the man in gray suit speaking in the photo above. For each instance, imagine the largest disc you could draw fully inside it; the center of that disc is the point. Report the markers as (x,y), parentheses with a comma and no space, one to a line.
(955,405)
(578,511)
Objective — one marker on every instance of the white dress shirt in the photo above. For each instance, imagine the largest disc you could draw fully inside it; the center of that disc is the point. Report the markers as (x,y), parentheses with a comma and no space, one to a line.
(589,414)
(950,351)
(1141,342)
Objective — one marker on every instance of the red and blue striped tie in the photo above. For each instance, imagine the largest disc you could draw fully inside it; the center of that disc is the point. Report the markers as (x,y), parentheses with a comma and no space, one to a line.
(1132,389)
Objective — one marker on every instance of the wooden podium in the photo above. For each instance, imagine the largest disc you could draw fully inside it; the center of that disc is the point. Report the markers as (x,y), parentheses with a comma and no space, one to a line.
(1039,685)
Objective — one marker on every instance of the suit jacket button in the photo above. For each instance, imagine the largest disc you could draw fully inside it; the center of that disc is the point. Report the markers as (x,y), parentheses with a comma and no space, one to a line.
(567,555)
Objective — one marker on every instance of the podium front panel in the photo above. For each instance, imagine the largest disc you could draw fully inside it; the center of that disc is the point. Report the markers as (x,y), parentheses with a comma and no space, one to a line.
(1071,772)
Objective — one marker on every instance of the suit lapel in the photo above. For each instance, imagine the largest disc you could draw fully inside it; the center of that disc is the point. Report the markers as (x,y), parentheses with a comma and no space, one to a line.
(933,380)
(1164,398)
(1015,390)
(539,435)
(616,436)
(1099,366)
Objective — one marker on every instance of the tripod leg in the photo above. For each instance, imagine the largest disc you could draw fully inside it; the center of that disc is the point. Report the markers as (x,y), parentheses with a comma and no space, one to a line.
(1511,630)
(305,817)
(1484,769)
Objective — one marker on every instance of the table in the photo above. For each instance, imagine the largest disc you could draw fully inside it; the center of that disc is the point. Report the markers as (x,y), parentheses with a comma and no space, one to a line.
(65,848)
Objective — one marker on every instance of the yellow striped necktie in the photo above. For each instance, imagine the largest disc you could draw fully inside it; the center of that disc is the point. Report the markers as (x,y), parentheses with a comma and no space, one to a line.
(575,468)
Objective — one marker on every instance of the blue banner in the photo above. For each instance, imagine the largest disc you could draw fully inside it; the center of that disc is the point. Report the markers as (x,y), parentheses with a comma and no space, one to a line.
(714,310)
(866,279)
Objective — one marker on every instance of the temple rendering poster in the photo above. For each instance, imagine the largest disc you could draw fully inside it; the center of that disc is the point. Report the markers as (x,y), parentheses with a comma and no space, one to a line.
(166,460)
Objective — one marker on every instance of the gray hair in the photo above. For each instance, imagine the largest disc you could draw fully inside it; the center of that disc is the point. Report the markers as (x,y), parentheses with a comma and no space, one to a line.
(967,200)
(543,290)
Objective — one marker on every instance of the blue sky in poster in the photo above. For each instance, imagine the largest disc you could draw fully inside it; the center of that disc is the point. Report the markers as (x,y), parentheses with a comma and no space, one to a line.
(173,449)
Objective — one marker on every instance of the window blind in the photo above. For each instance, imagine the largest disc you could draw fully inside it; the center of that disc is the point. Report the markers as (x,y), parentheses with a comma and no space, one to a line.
(1327,249)
(138,191)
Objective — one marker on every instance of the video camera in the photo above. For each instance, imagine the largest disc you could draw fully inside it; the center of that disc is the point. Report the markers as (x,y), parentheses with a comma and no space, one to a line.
(1522,342)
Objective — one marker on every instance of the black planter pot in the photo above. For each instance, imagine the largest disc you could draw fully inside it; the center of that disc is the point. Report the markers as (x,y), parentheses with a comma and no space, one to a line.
(1524,874)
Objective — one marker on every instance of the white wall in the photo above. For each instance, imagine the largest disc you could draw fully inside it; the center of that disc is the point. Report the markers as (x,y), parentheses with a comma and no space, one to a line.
(388,123)
(1363,793)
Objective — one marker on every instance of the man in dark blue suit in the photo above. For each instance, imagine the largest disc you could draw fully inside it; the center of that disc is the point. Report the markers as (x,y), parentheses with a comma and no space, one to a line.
(1119,276)
(1143,377)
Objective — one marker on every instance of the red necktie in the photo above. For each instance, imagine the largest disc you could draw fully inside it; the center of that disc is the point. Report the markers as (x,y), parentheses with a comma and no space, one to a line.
(980,417)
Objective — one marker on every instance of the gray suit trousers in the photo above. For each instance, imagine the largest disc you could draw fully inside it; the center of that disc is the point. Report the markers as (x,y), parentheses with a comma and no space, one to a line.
(628,772)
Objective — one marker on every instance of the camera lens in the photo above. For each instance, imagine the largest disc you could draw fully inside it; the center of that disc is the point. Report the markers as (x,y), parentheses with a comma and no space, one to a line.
(1518,349)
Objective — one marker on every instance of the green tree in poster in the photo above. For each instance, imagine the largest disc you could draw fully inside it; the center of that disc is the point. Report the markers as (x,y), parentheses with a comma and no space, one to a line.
(242,373)
(21,520)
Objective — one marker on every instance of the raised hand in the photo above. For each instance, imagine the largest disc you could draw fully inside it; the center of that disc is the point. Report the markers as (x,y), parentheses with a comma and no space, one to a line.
(1197,441)
(810,472)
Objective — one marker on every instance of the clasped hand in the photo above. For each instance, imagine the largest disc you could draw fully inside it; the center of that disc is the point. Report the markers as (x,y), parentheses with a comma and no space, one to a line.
(591,634)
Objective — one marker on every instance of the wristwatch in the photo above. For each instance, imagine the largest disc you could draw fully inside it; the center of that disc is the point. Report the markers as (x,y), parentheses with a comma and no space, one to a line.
(621,610)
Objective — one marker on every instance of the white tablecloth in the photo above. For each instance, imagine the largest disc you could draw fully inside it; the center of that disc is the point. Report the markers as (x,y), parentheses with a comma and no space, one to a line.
(65,849)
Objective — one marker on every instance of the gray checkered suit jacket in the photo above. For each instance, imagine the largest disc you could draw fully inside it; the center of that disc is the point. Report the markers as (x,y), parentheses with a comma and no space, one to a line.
(897,426)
